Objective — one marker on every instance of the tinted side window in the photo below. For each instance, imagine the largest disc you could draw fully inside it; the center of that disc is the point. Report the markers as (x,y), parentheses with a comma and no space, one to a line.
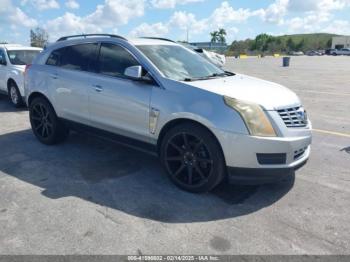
(114,60)
(2,57)
(55,57)
(78,57)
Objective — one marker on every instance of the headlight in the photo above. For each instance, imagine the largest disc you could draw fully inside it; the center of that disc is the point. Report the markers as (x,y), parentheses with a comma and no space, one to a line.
(254,117)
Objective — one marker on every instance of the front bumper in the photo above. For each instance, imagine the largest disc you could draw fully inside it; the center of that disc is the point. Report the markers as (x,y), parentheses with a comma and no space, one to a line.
(254,176)
(242,154)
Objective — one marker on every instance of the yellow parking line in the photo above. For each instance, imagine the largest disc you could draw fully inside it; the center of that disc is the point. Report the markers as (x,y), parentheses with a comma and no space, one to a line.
(331,133)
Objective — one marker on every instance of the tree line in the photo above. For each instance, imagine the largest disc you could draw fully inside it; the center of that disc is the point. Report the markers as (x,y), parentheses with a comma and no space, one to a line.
(268,44)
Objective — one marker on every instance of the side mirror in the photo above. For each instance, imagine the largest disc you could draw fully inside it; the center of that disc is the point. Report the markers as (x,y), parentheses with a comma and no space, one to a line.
(134,72)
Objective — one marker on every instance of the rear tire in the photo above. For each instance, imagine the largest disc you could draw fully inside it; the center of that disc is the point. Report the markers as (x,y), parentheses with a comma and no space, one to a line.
(46,126)
(193,158)
(15,96)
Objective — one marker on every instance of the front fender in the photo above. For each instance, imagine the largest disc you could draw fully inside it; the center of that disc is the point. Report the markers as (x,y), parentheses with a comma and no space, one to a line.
(18,78)
(187,102)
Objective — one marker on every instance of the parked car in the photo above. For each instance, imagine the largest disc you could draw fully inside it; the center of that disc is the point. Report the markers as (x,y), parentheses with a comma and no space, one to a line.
(313,53)
(13,60)
(343,51)
(330,51)
(204,123)
(296,53)
(215,58)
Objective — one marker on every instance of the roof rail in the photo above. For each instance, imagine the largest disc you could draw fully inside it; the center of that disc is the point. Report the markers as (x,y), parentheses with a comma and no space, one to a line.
(158,38)
(88,35)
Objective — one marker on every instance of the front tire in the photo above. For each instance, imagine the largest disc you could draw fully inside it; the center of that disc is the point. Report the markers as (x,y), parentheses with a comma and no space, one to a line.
(46,126)
(15,96)
(192,158)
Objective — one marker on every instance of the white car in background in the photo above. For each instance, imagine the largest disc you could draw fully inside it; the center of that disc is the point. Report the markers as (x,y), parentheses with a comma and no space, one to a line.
(343,51)
(217,59)
(13,61)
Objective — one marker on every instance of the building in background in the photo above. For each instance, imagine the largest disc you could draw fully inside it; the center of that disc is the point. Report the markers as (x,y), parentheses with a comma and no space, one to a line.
(339,42)
(217,47)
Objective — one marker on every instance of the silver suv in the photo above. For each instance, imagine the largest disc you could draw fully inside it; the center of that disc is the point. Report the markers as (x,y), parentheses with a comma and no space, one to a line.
(203,122)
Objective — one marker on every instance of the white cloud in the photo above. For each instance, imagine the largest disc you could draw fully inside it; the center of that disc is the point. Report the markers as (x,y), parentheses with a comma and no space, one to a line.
(311,15)
(223,16)
(106,17)
(312,22)
(72,4)
(18,17)
(340,27)
(42,4)
(294,15)
(315,16)
(116,12)
(4,5)
(15,17)
(275,12)
(156,30)
(226,14)
(166,4)
(69,24)
(317,5)
(184,21)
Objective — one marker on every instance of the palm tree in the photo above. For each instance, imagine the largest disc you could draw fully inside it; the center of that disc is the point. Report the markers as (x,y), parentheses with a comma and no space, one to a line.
(222,35)
(214,36)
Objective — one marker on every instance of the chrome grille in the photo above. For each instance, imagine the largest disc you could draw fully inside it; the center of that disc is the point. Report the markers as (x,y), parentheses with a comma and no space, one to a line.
(293,116)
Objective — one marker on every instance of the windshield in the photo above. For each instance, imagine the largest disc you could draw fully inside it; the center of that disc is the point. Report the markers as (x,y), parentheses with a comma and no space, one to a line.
(180,63)
(22,57)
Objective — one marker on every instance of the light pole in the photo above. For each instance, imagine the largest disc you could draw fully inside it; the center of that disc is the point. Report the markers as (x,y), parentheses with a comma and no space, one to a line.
(187,32)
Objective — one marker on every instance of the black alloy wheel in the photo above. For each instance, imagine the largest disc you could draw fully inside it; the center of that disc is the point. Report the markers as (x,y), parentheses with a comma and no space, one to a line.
(42,121)
(192,158)
(45,124)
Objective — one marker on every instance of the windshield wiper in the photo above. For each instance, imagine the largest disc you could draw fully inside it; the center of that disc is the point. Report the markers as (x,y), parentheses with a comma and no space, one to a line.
(226,73)
(190,79)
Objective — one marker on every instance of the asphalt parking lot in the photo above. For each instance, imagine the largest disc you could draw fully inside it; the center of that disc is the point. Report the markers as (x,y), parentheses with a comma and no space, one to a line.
(88,196)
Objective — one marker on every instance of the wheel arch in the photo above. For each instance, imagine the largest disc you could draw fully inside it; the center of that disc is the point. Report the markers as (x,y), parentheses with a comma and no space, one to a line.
(178,121)
(11,81)
(36,94)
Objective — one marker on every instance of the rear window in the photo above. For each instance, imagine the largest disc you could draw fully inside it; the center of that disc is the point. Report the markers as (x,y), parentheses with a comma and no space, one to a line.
(55,57)
(22,57)
(77,57)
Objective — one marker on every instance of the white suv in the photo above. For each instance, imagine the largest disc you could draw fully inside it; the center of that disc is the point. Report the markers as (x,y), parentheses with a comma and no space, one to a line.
(343,51)
(13,60)
(203,122)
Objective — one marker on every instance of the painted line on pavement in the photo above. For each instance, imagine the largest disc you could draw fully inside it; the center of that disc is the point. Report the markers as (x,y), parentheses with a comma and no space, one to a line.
(331,133)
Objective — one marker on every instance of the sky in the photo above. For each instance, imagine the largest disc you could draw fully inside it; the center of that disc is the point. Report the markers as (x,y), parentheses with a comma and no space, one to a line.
(172,18)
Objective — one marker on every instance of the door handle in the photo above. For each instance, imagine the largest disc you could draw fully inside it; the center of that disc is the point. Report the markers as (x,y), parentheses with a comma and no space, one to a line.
(98,88)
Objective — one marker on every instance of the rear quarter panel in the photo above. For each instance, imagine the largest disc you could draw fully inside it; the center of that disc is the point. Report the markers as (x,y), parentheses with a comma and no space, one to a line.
(37,80)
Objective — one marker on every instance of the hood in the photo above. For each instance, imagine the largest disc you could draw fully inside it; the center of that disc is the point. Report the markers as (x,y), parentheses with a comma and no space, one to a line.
(267,94)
